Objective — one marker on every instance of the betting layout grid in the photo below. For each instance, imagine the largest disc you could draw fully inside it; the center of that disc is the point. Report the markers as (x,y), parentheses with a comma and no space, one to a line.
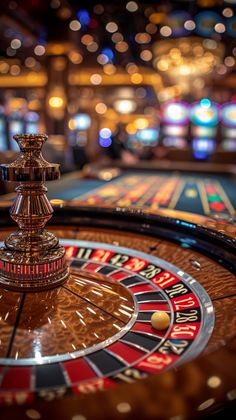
(201,195)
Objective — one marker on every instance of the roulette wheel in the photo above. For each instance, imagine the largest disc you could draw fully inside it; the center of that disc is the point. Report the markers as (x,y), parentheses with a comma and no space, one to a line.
(131,314)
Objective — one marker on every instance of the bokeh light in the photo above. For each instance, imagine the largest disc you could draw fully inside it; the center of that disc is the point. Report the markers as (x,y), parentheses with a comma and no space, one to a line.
(96,79)
(111,27)
(101,108)
(132,6)
(39,50)
(75,25)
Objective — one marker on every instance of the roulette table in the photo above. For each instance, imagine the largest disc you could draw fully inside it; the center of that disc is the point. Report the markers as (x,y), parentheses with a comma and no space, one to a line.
(151,262)
(78,339)
(205,193)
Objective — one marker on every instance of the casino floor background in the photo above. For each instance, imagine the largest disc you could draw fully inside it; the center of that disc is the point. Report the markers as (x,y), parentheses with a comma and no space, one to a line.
(138,99)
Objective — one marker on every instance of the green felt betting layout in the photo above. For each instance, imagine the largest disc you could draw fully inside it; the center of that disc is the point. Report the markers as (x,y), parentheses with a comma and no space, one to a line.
(208,196)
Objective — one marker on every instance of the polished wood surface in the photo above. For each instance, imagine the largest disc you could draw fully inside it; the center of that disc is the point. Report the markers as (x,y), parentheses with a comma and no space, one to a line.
(83,313)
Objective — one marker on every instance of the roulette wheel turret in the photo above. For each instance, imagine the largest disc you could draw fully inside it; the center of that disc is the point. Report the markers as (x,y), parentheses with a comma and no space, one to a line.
(81,316)
(32,257)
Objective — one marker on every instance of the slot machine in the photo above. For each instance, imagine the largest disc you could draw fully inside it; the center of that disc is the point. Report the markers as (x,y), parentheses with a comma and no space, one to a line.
(78,137)
(175,117)
(3,132)
(228,127)
(78,126)
(204,117)
(16,125)
(32,122)
(143,142)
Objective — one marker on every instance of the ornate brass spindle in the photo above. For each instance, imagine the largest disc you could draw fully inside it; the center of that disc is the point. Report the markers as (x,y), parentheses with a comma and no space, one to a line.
(32,258)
